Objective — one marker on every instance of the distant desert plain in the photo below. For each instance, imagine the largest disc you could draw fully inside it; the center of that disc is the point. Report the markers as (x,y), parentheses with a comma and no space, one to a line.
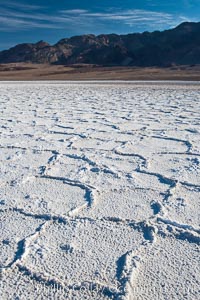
(29,71)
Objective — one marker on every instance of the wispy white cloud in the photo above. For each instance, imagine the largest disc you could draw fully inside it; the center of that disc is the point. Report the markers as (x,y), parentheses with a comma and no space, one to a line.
(17,17)
(8,25)
(131,18)
(74,11)
(17,5)
(25,16)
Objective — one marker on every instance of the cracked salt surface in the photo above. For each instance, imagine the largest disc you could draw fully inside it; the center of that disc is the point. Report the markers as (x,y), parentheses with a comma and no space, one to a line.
(99,191)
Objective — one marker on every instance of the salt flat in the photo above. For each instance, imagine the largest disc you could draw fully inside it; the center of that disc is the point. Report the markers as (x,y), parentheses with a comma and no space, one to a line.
(100,191)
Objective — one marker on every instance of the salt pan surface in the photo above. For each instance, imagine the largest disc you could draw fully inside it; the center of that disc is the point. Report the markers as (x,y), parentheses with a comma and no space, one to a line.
(99,193)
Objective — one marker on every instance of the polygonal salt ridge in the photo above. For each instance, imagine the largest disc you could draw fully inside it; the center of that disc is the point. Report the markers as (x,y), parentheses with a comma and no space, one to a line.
(180,232)
(187,143)
(178,225)
(180,204)
(89,190)
(119,151)
(151,144)
(94,165)
(160,269)
(106,271)
(75,166)
(51,162)
(112,164)
(35,193)
(20,165)
(144,160)
(67,197)
(17,232)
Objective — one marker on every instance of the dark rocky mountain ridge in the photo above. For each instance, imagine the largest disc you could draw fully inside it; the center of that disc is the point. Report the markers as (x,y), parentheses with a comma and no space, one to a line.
(178,46)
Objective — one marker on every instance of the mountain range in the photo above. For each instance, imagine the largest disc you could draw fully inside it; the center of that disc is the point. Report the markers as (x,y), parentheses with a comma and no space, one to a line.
(177,46)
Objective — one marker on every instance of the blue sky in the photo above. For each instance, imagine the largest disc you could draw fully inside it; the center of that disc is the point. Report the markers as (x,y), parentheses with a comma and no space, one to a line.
(31,21)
